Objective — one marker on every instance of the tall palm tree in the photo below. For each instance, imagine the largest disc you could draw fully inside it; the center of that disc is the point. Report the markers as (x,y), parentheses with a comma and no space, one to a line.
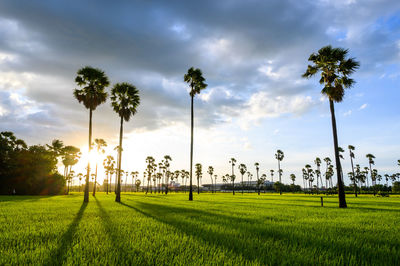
(279,156)
(351,153)
(272,175)
(99,144)
(150,162)
(257,165)
(335,70)
(328,161)
(242,170)
(56,148)
(195,79)
(198,175)
(211,172)
(92,93)
(125,101)
(233,177)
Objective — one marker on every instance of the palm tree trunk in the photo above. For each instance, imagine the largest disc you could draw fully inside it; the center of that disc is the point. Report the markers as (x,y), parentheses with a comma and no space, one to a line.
(95,182)
(191,148)
(242,184)
(342,196)
(258,184)
(86,195)
(354,177)
(118,197)
(279,170)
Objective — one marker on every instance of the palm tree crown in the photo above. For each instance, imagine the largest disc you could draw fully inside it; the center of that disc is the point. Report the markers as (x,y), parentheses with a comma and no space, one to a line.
(125,100)
(195,79)
(335,69)
(93,82)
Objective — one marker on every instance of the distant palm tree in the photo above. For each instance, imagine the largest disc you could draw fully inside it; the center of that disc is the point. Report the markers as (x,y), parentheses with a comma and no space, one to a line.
(198,175)
(167,158)
(125,101)
(351,152)
(335,70)
(80,175)
(242,170)
(215,183)
(257,165)
(371,162)
(137,183)
(233,177)
(293,177)
(211,172)
(108,164)
(317,162)
(150,168)
(99,144)
(272,175)
(249,176)
(279,156)
(195,79)
(328,163)
(304,172)
(93,82)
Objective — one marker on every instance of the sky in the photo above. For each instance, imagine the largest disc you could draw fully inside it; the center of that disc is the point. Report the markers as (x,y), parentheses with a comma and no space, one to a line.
(252,54)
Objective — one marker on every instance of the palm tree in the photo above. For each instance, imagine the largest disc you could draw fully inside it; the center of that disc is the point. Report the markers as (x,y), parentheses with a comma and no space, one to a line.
(167,158)
(198,175)
(304,179)
(211,172)
(80,175)
(371,162)
(137,183)
(279,156)
(293,177)
(317,162)
(150,162)
(195,79)
(215,183)
(108,164)
(249,176)
(272,175)
(257,165)
(99,144)
(56,148)
(335,70)
(233,177)
(328,163)
(125,101)
(242,170)
(351,152)
(93,82)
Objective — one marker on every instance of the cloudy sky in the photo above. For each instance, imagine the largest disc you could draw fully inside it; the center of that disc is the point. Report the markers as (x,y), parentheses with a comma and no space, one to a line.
(252,54)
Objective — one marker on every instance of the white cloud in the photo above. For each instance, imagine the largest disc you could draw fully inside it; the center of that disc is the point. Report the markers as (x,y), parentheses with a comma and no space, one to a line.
(363,106)
(261,105)
(347,113)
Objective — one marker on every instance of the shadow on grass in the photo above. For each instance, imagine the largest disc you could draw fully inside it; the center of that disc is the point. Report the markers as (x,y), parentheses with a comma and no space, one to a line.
(122,254)
(262,238)
(57,257)
(22,198)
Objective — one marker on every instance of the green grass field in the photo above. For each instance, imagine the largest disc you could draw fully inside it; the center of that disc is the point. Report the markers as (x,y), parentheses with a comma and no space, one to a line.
(213,229)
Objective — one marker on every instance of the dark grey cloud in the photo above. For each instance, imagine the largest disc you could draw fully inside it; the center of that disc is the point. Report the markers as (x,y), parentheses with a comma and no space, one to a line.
(243,47)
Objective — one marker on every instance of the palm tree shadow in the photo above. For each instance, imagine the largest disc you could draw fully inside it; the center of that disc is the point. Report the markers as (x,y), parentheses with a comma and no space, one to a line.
(66,239)
(112,231)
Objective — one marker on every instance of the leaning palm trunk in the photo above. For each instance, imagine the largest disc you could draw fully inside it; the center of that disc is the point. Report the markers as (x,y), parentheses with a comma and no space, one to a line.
(342,196)
(118,197)
(354,177)
(86,195)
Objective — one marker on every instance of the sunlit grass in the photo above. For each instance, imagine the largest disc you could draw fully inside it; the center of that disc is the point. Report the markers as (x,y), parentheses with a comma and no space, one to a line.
(213,229)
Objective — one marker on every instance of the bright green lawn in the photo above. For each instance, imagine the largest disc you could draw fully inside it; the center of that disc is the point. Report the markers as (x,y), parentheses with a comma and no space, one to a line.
(213,229)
